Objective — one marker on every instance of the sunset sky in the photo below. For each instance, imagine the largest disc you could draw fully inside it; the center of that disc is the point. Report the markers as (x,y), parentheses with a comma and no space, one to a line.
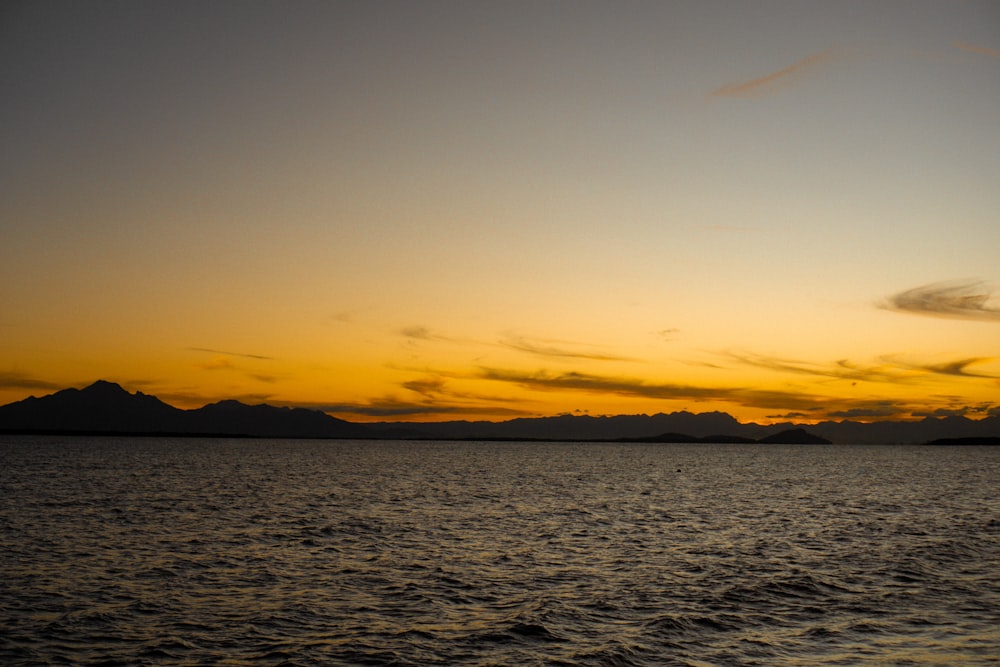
(460,210)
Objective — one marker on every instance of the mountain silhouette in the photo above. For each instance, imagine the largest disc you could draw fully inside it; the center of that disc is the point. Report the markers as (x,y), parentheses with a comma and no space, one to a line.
(690,427)
(105,407)
(271,422)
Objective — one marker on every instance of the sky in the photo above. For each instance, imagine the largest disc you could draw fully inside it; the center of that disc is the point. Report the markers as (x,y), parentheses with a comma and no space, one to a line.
(424,211)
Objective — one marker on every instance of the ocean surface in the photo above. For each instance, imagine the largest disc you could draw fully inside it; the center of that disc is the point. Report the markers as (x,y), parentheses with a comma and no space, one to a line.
(131,551)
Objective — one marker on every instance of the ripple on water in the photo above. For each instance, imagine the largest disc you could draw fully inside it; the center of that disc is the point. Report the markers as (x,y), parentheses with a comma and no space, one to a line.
(133,551)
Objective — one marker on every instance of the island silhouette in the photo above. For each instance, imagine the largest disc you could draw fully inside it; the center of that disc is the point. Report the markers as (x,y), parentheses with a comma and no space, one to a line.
(106,408)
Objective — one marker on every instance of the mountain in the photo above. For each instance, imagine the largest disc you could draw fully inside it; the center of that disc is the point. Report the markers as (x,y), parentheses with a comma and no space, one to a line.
(689,427)
(580,427)
(270,422)
(105,407)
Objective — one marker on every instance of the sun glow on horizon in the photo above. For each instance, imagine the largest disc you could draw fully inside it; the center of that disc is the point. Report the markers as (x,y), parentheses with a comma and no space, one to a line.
(396,212)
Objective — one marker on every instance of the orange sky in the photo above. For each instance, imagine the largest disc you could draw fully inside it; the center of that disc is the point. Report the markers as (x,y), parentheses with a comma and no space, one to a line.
(426,211)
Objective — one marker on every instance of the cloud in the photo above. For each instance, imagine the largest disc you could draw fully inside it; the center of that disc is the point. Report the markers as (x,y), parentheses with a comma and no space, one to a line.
(842,369)
(793,415)
(542,348)
(962,300)
(964,411)
(590,383)
(417,332)
(775,81)
(216,364)
(346,316)
(632,387)
(545,349)
(880,409)
(425,386)
(421,333)
(981,50)
(390,407)
(891,370)
(668,334)
(789,403)
(956,368)
(230,354)
(15,380)
(222,361)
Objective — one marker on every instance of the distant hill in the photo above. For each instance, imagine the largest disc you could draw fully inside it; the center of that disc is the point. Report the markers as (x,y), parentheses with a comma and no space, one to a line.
(105,407)
(690,427)
(966,441)
(794,436)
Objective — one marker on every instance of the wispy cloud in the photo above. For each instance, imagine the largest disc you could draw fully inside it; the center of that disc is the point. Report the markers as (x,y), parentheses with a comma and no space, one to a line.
(775,81)
(964,300)
(539,347)
(430,386)
(668,334)
(223,361)
(876,409)
(842,369)
(216,363)
(892,369)
(790,403)
(231,354)
(391,407)
(981,50)
(16,380)
(598,384)
(978,411)
(418,332)
(550,348)
(957,367)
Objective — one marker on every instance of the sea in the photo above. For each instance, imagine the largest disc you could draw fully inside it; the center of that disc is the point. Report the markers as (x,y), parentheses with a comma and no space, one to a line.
(160,551)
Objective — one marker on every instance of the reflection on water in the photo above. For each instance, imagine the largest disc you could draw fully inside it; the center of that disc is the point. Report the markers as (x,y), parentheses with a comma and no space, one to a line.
(145,551)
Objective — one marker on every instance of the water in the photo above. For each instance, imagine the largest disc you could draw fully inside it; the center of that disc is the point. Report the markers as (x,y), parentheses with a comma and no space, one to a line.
(256,552)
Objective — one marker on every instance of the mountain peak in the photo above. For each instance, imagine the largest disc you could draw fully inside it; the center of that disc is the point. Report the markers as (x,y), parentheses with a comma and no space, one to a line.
(105,387)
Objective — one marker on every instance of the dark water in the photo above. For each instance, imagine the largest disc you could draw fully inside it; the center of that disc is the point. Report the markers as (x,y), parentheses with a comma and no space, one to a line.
(241,552)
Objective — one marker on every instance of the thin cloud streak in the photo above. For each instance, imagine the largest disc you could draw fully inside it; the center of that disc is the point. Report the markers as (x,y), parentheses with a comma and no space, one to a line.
(775,81)
(632,387)
(217,364)
(542,349)
(15,380)
(962,300)
(222,361)
(812,406)
(981,50)
(590,383)
(841,369)
(892,371)
(231,354)
(390,407)
(957,368)
(425,386)
(418,332)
